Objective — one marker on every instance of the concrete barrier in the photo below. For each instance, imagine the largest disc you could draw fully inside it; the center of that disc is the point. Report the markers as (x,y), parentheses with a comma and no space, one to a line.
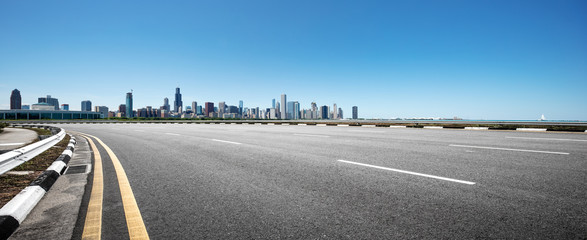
(531,129)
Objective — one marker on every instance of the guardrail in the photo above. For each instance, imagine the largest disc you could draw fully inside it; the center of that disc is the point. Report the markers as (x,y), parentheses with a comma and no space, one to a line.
(14,158)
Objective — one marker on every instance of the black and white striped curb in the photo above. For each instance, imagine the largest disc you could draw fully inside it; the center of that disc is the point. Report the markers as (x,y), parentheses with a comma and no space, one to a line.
(15,211)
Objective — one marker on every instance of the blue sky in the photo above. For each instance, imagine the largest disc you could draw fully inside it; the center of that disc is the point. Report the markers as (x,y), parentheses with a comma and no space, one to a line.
(471,59)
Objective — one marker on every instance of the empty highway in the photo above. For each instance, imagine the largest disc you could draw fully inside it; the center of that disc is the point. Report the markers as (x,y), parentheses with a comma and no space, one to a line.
(194,181)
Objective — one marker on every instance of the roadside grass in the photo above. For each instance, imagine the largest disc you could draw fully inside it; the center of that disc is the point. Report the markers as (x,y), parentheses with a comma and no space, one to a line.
(12,184)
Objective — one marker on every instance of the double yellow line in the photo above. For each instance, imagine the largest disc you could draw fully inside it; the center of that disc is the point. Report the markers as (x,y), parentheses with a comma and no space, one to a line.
(93,224)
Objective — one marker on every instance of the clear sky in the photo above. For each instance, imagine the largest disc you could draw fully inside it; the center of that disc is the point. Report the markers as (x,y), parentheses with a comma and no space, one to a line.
(477,59)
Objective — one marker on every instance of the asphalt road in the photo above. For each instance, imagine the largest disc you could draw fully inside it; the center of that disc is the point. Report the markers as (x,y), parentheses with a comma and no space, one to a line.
(195,181)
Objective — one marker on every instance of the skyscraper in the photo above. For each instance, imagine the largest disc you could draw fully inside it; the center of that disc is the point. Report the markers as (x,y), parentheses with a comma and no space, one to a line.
(208,108)
(296,110)
(273,103)
(177,104)
(340,116)
(86,106)
(334,112)
(166,104)
(194,107)
(129,113)
(50,101)
(355,112)
(283,106)
(290,110)
(221,108)
(240,107)
(15,100)
(324,112)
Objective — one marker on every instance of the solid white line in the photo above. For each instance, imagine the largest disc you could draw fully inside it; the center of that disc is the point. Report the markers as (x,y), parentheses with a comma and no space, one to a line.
(408,172)
(553,139)
(366,131)
(173,134)
(10,144)
(508,149)
(310,135)
(225,141)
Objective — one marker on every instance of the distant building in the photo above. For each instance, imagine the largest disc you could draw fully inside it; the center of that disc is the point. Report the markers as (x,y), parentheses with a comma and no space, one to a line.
(121,110)
(199,110)
(273,103)
(166,104)
(334,112)
(340,116)
(221,108)
(86,106)
(355,112)
(49,113)
(42,106)
(26,107)
(240,107)
(208,108)
(65,107)
(194,106)
(103,110)
(283,106)
(129,111)
(177,104)
(15,100)
(51,101)
(324,112)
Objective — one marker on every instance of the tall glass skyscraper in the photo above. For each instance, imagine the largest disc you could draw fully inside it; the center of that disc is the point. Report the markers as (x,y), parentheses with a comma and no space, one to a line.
(129,113)
(86,106)
(240,107)
(283,106)
(355,112)
(177,104)
(15,100)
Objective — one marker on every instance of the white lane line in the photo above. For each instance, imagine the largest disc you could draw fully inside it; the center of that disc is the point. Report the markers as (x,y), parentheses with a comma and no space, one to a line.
(553,139)
(172,134)
(310,135)
(409,172)
(508,149)
(10,144)
(216,140)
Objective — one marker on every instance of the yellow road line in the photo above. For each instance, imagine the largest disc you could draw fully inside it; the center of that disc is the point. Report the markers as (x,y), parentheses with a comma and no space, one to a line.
(134,220)
(93,224)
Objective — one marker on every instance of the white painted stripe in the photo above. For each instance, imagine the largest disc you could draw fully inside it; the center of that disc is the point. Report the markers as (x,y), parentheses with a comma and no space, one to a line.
(310,135)
(216,140)
(68,153)
(532,129)
(302,124)
(476,128)
(270,123)
(342,125)
(56,166)
(553,139)
(172,134)
(10,144)
(393,126)
(23,203)
(368,126)
(433,127)
(284,124)
(366,131)
(508,149)
(409,172)
(320,125)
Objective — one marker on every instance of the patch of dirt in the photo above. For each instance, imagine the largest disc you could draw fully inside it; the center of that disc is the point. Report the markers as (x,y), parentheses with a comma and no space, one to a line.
(11,185)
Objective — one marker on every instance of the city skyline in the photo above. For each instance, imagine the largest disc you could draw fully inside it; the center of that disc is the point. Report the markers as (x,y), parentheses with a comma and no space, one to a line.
(474,60)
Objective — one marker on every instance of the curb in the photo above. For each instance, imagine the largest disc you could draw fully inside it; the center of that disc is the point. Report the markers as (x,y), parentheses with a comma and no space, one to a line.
(17,209)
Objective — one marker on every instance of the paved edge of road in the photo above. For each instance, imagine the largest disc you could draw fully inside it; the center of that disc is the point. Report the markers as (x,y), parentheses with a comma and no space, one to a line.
(17,209)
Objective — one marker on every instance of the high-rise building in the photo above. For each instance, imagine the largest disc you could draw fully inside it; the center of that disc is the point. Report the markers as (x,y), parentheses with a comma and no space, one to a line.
(277,111)
(194,106)
(199,110)
(290,109)
(65,107)
(177,104)
(273,103)
(240,107)
(50,101)
(15,100)
(103,110)
(86,106)
(355,112)
(166,104)
(208,108)
(340,116)
(129,111)
(221,108)
(283,106)
(324,112)
(334,112)
(296,110)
